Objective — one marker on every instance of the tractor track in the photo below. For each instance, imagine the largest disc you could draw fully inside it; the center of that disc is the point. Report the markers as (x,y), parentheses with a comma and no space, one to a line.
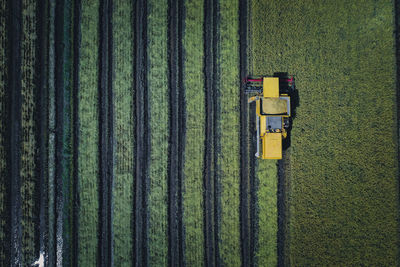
(76,36)
(142,137)
(41,130)
(177,133)
(59,129)
(247,166)
(13,137)
(281,196)
(210,173)
(397,47)
(106,135)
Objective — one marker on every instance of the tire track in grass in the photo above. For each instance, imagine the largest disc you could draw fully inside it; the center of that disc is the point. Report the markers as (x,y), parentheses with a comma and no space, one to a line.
(142,135)
(159,129)
(177,127)
(281,210)
(42,128)
(106,137)
(4,49)
(244,32)
(67,181)
(245,216)
(13,141)
(123,224)
(195,136)
(210,167)
(397,46)
(59,131)
(50,260)
(77,13)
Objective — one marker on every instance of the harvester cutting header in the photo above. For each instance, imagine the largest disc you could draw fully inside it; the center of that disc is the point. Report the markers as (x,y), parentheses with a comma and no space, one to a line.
(272,97)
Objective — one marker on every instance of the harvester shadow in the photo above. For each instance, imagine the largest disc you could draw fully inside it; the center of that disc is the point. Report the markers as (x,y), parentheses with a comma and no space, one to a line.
(287,87)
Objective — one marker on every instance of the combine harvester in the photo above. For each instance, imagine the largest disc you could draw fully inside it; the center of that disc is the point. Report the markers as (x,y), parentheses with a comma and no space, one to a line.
(272,97)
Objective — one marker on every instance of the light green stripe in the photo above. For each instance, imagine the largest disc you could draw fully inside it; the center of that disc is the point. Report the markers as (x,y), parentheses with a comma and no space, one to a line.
(123,132)
(158,97)
(195,133)
(266,247)
(229,161)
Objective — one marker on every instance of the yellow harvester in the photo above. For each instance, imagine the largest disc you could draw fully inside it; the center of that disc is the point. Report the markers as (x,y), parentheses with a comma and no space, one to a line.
(272,113)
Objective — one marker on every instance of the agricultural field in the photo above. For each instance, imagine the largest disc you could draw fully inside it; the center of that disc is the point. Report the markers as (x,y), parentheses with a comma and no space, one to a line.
(127,139)
(343,191)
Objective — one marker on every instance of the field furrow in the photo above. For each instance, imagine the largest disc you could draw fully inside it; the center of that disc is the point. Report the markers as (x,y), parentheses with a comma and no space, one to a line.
(176,137)
(3,129)
(142,138)
(66,140)
(195,133)
(106,134)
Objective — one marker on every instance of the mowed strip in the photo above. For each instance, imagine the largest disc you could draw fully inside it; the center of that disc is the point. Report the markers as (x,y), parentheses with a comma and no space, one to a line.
(88,158)
(344,194)
(159,132)
(195,133)
(124,133)
(229,161)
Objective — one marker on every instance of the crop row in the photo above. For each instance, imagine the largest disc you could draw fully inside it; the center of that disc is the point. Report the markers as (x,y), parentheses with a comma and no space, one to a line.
(229,160)
(195,133)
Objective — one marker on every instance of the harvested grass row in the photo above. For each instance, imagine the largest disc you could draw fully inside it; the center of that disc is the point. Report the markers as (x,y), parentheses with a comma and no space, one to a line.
(124,132)
(157,28)
(88,132)
(229,161)
(195,133)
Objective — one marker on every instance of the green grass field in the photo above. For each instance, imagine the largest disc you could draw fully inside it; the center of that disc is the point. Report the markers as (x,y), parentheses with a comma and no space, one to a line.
(344,193)
(341,171)
(195,133)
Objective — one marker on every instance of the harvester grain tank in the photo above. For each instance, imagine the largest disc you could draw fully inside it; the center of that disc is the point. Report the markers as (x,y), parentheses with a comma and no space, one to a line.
(272,113)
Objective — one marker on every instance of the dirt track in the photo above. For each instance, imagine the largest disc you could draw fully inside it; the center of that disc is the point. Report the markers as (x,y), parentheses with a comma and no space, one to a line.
(41,130)
(106,135)
(75,129)
(13,95)
(211,137)
(177,130)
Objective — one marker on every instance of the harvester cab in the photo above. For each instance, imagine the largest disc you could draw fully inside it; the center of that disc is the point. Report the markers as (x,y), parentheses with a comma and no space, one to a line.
(272,97)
